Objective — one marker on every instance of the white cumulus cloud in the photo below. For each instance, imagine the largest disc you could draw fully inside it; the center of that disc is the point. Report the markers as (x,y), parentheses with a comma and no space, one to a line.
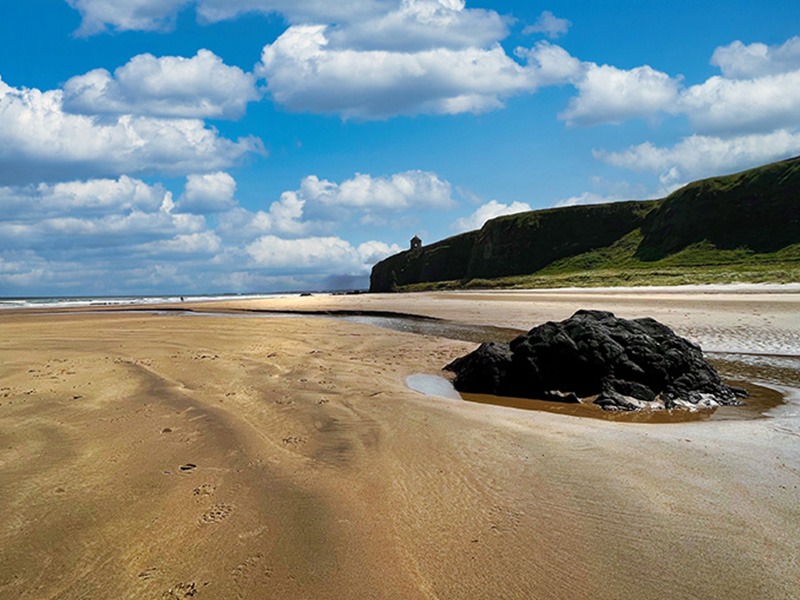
(39,140)
(747,61)
(104,218)
(92,197)
(551,64)
(607,94)
(304,73)
(204,242)
(422,24)
(71,233)
(488,211)
(702,156)
(124,15)
(550,25)
(208,193)
(747,116)
(318,254)
(758,91)
(127,236)
(394,192)
(744,105)
(372,252)
(296,11)
(320,204)
(171,86)
(159,15)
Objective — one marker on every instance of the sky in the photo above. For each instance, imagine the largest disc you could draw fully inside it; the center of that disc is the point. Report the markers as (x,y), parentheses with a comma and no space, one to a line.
(241,146)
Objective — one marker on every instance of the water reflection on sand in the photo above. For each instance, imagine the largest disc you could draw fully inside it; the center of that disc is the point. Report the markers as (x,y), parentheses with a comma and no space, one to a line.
(762,399)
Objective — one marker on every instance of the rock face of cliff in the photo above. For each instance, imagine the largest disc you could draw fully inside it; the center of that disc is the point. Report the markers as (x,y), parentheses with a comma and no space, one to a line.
(512,245)
(756,211)
(443,261)
(527,242)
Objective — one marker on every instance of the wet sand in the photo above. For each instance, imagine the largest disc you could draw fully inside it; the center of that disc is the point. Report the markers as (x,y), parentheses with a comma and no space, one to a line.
(152,456)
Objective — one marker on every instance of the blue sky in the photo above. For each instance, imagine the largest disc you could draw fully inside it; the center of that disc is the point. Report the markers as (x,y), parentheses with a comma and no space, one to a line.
(204,146)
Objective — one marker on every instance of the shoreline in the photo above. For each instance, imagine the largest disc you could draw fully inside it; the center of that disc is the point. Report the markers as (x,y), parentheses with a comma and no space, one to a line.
(147,455)
(119,302)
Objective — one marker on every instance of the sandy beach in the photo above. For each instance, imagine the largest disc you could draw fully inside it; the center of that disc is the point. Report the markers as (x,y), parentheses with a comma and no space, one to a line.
(237,456)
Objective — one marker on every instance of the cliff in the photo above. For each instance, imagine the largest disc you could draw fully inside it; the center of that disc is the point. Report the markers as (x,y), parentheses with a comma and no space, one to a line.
(758,210)
(748,217)
(442,261)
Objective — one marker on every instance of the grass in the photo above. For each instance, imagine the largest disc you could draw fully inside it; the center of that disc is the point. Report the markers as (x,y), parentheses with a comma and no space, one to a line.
(617,265)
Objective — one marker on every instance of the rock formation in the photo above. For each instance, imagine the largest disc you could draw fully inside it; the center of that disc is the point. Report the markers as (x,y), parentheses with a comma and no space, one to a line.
(755,210)
(625,364)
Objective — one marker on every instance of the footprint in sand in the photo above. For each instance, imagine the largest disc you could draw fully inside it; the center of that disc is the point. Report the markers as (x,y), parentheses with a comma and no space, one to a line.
(293,440)
(205,490)
(504,519)
(183,590)
(249,571)
(150,573)
(217,514)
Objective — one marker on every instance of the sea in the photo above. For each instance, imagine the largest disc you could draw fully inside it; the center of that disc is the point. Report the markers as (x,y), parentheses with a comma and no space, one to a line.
(100,301)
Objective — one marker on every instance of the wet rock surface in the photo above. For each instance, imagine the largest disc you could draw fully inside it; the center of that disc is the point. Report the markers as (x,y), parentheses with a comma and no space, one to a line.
(625,364)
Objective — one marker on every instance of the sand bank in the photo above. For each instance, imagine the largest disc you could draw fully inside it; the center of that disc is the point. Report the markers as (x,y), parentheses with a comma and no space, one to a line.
(151,456)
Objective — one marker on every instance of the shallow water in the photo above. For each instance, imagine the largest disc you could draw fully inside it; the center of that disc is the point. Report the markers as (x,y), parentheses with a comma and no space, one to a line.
(452,330)
(762,400)
(775,369)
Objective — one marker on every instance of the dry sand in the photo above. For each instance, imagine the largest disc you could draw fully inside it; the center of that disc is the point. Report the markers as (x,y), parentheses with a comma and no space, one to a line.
(151,456)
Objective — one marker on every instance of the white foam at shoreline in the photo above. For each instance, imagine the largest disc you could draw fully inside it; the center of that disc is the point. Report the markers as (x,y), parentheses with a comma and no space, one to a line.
(77,302)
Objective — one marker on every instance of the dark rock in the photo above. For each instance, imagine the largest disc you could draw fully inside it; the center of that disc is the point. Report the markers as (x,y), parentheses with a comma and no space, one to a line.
(739,392)
(627,364)
(631,389)
(485,371)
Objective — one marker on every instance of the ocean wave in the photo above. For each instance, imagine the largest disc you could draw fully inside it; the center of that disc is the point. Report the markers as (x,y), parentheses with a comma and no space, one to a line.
(101,301)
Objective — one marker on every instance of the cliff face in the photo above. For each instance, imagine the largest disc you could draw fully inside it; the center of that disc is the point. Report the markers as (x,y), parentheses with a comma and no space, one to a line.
(756,210)
(442,261)
(511,245)
(527,242)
